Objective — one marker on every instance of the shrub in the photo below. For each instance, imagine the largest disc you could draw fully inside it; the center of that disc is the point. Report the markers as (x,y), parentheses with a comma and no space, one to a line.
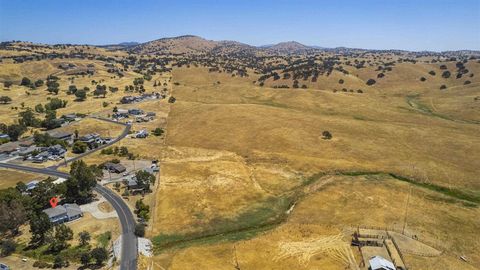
(467,82)
(443,67)
(99,254)
(158,132)
(8,247)
(326,135)
(140,230)
(371,82)
(26,81)
(79,147)
(423,79)
(431,72)
(446,74)
(443,87)
(172,100)
(341,81)
(380,75)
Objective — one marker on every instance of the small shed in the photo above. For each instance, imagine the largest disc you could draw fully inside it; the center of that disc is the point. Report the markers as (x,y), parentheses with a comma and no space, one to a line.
(380,263)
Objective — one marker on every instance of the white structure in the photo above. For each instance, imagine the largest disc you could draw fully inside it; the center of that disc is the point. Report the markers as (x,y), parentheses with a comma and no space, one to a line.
(380,263)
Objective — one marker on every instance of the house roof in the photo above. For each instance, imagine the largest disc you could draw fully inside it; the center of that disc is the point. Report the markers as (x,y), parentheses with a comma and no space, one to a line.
(59,134)
(72,209)
(66,209)
(116,166)
(378,262)
(55,212)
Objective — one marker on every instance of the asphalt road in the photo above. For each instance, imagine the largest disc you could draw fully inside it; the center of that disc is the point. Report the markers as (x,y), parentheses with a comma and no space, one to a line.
(129,240)
(123,135)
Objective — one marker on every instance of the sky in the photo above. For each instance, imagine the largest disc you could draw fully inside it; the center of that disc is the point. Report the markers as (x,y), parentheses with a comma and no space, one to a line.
(416,25)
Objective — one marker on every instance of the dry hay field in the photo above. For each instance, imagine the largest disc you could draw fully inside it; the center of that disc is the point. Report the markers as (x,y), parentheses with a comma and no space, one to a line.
(241,163)
(9,178)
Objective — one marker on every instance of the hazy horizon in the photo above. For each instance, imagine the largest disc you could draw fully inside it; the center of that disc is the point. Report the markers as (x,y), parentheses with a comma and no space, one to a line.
(392,25)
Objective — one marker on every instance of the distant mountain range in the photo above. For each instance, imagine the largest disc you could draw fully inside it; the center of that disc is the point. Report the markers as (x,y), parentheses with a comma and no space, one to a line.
(190,44)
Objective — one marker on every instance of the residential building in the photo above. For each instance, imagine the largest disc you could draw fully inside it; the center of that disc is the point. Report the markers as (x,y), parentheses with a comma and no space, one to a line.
(61,135)
(135,111)
(64,213)
(31,185)
(115,167)
(141,134)
(4,267)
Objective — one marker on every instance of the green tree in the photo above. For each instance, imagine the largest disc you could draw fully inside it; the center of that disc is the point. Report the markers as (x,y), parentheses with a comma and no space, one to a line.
(85,259)
(61,236)
(38,83)
(158,132)
(79,147)
(60,262)
(50,121)
(81,95)
(26,81)
(144,179)
(99,254)
(142,210)
(84,238)
(39,226)
(72,89)
(5,99)
(12,215)
(81,182)
(8,246)
(139,230)
(101,90)
(15,131)
(28,119)
(7,84)
(39,108)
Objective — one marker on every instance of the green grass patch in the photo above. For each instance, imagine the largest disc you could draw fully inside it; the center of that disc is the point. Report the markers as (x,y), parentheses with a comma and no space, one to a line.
(104,239)
(264,216)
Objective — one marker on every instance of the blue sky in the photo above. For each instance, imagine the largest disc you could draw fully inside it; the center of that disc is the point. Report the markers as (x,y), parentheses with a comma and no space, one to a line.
(374,24)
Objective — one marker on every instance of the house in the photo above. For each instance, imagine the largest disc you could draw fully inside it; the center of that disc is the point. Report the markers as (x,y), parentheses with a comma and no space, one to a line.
(132,183)
(127,99)
(61,135)
(8,148)
(56,150)
(135,111)
(4,267)
(115,167)
(64,213)
(141,134)
(90,139)
(26,151)
(380,263)
(31,185)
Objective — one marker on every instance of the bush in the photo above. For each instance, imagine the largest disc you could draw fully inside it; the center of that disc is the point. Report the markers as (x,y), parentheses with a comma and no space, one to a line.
(99,255)
(326,135)
(42,264)
(431,72)
(172,100)
(467,82)
(8,247)
(380,75)
(341,81)
(79,147)
(443,87)
(158,132)
(60,262)
(371,82)
(26,81)
(423,79)
(446,74)
(443,67)
(140,230)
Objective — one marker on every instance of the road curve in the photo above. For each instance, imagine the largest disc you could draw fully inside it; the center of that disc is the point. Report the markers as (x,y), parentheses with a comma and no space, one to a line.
(129,240)
(123,135)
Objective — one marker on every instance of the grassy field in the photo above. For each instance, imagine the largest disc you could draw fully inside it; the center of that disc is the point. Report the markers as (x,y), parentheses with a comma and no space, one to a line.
(9,178)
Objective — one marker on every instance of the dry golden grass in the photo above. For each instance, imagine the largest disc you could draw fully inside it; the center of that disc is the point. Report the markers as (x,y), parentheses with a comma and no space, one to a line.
(9,178)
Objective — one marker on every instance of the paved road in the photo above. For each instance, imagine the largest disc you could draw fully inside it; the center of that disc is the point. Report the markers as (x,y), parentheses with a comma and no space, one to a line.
(123,135)
(129,240)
